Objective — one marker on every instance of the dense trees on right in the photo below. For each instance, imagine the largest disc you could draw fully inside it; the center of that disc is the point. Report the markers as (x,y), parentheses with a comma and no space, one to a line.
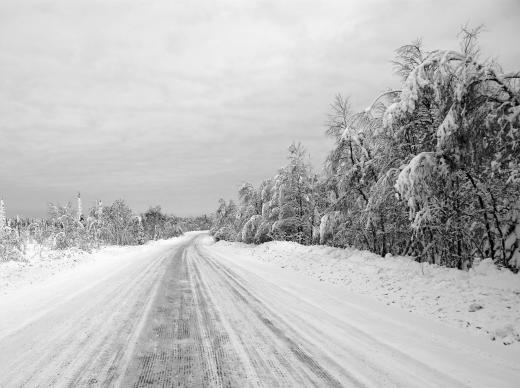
(431,170)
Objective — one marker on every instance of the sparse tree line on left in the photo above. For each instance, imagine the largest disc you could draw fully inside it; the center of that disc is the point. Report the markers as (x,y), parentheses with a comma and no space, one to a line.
(68,227)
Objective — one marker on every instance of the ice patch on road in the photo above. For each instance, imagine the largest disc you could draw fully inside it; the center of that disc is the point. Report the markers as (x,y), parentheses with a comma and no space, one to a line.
(448,295)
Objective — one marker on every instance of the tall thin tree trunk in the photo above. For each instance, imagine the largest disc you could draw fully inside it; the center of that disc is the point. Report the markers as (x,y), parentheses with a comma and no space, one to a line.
(485,215)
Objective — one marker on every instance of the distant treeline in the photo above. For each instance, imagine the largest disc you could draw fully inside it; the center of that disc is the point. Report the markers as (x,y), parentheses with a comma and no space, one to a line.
(431,170)
(67,227)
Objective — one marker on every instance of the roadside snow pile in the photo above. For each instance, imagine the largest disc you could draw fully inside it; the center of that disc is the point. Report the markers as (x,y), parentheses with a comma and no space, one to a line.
(485,299)
(38,268)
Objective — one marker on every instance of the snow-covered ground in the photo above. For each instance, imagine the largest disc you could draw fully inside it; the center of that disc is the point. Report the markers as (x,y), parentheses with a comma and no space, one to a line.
(42,267)
(485,300)
(39,266)
(62,320)
(189,312)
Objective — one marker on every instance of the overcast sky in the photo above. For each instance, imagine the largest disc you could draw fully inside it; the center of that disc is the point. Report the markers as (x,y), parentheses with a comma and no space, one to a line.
(179,102)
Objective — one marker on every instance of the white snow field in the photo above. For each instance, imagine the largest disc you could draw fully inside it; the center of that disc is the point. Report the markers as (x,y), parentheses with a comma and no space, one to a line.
(189,312)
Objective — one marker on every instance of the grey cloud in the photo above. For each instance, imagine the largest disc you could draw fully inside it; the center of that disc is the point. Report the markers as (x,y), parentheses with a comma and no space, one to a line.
(179,102)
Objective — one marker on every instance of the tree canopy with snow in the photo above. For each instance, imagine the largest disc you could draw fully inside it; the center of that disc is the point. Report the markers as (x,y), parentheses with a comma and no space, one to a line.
(431,169)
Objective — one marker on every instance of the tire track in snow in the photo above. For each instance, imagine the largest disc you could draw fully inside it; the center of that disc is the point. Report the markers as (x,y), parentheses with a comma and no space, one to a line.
(182,343)
(405,371)
(81,341)
(65,345)
(190,318)
(295,358)
(204,329)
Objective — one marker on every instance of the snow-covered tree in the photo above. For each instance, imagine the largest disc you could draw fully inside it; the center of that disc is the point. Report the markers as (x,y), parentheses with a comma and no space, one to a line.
(358,178)
(66,230)
(430,170)
(3,218)
(225,220)
(119,221)
(99,209)
(293,193)
(250,207)
(250,228)
(465,169)
(80,208)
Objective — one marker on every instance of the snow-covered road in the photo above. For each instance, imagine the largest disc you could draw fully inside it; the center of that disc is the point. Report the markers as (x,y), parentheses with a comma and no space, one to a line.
(182,314)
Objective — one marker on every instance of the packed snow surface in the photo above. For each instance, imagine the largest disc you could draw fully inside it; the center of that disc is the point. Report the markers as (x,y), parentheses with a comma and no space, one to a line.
(484,300)
(189,312)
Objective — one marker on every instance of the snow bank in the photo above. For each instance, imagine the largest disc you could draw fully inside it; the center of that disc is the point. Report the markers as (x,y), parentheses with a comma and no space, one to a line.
(485,299)
(38,268)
